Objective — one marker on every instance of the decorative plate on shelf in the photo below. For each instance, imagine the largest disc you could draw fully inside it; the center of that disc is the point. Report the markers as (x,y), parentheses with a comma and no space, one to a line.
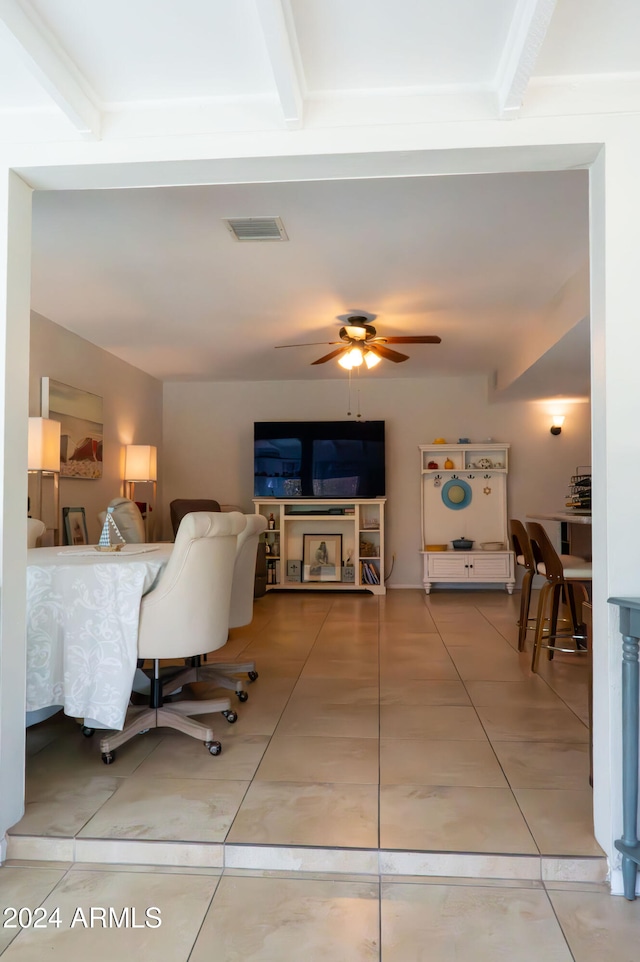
(456,494)
(484,463)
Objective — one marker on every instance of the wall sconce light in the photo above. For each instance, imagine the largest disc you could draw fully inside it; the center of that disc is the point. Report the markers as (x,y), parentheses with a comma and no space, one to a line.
(44,459)
(557,420)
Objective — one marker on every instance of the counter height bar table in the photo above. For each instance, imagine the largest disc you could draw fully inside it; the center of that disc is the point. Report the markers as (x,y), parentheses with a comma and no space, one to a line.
(575,530)
(628,844)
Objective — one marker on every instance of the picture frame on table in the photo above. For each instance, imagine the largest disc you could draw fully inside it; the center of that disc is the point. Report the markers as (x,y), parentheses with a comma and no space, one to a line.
(75,526)
(322,557)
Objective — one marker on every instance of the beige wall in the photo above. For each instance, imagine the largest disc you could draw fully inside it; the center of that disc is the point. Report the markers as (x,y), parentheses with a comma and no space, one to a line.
(132,408)
(208,442)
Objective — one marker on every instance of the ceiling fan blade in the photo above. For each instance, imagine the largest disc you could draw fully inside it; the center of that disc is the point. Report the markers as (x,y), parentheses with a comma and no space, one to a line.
(381,351)
(307,344)
(417,339)
(336,353)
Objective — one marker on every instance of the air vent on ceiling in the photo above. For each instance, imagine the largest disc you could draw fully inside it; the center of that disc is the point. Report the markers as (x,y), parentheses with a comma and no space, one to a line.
(256,228)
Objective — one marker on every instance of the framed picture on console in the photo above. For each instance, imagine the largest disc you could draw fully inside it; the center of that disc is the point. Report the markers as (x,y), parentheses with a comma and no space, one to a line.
(75,526)
(322,557)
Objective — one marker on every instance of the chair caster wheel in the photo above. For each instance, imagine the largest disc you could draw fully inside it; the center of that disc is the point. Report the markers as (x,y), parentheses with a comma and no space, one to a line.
(230,716)
(214,747)
(108,758)
(88,732)
(242,695)
(252,675)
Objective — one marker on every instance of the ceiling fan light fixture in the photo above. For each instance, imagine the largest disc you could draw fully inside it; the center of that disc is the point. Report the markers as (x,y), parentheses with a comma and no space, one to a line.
(351,359)
(355,330)
(371,359)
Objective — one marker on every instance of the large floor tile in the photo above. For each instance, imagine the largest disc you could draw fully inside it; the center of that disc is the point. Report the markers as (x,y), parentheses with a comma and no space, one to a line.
(598,926)
(532,692)
(484,636)
(421,691)
(362,666)
(278,919)
(427,666)
(475,664)
(259,715)
(77,755)
(325,716)
(23,886)
(182,901)
(180,757)
(455,722)
(401,661)
(394,638)
(338,691)
(453,819)
(39,736)
(444,923)
(320,758)
(62,805)
(544,764)
(181,809)
(561,821)
(303,813)
(421,761)
(532,724)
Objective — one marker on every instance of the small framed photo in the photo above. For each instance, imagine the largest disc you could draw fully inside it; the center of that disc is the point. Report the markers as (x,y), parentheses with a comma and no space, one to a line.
(75,526)
(322,557)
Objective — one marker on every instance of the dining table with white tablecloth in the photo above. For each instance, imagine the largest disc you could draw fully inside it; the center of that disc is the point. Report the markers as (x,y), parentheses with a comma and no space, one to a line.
(83,609)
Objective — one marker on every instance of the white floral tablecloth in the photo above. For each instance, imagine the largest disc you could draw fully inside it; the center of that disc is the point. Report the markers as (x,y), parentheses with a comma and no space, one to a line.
(83,608)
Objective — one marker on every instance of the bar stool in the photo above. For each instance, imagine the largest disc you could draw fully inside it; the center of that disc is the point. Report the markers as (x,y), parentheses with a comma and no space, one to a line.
(524,557)
(562,574)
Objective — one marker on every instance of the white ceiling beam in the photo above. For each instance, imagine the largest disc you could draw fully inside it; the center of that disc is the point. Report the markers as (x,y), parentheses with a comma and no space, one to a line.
(281,42)
(529,25)
(51,66)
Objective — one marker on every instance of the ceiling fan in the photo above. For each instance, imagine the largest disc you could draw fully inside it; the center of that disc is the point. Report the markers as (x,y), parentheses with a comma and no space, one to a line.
(359,342)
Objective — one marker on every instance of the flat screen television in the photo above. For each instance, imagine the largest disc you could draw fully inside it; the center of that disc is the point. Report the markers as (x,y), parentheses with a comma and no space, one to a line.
(319,459)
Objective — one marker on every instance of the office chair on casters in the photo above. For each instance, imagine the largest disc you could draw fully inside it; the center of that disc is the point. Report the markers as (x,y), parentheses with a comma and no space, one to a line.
(242,596)
(186,614)
(563,573)
(240,614)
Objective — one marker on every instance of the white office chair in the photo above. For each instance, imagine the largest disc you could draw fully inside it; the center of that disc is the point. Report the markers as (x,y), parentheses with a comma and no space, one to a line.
(185,615)
(241,613)
(126,515)
(35,530)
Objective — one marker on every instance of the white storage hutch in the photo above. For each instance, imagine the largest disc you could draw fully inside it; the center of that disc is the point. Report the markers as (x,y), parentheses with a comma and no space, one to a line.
(464,496)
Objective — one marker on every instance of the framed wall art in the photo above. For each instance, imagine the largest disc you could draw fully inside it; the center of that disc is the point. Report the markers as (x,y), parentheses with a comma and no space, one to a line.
(322,557)
(81,429)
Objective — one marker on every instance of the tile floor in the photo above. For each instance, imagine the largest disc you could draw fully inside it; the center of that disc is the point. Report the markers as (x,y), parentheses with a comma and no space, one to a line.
(396,769)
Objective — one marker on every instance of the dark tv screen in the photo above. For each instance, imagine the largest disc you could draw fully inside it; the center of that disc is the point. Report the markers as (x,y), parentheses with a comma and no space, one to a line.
(319,459)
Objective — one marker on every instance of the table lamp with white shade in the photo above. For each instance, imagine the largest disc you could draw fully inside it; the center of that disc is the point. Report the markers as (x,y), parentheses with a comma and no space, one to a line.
(44,459)
(140,467)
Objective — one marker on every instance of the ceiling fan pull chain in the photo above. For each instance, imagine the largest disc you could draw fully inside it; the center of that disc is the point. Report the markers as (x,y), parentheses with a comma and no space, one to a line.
(358,415)
(349,405)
